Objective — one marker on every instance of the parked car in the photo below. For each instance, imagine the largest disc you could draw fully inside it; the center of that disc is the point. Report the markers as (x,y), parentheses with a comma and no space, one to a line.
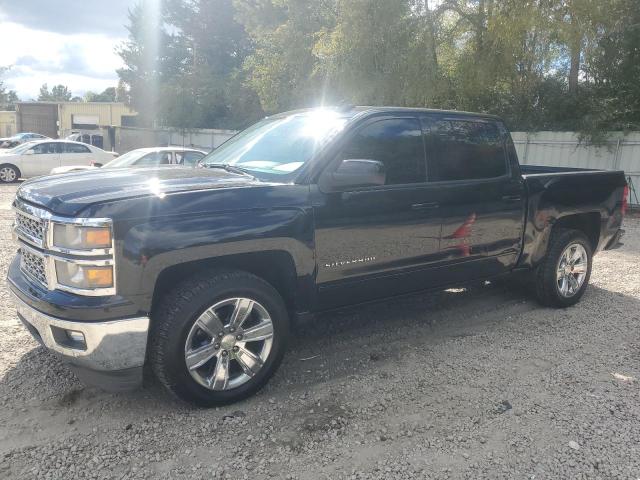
(201,272)
(20,138)
(95,139)
(37,158)
(145,157)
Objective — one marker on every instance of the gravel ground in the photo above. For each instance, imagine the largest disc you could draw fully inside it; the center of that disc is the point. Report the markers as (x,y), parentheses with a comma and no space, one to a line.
(468,383)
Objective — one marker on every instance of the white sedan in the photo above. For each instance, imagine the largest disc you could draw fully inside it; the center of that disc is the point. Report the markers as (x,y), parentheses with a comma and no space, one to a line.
(33,159)
(145,157)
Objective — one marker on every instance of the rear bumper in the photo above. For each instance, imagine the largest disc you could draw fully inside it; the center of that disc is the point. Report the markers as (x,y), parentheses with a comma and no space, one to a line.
(615,242)
(107,354)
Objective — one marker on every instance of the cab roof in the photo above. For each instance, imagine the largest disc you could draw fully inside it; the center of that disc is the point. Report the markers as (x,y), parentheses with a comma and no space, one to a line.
(355,110)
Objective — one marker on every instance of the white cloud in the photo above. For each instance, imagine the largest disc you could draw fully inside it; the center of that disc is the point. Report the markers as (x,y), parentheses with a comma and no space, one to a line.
(81,61)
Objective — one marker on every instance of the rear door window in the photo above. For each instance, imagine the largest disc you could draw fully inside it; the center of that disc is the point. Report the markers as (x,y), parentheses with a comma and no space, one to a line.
(463,149)
(191,158)
(154,158)
(75,148)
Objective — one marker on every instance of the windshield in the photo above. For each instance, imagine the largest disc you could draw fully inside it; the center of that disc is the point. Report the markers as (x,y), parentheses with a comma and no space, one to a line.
(127,159)
(278,145)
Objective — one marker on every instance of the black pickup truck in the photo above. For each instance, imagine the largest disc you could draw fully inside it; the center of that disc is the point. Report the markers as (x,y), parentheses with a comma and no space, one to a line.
(200,273)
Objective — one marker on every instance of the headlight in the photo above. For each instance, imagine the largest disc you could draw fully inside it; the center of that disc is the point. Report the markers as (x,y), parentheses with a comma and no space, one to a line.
(75,237)
(85,277)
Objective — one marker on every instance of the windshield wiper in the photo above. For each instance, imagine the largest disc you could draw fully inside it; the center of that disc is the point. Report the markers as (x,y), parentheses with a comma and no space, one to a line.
(229,168)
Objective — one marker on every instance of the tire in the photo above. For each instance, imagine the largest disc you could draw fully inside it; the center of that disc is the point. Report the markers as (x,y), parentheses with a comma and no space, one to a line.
(184,325)
(551,290)
(9,173)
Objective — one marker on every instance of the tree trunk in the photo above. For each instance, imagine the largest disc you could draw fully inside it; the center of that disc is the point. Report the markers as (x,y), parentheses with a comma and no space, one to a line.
(574,70)
(575,49)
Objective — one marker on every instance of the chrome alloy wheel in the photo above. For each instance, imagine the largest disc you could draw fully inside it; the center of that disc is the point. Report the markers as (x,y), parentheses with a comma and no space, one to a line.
(229,343)
(7,174)
(572,270)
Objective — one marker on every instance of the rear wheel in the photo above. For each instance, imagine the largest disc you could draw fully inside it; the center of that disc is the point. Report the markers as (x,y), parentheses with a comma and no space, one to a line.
(218,337)
(8,173)
(562,278)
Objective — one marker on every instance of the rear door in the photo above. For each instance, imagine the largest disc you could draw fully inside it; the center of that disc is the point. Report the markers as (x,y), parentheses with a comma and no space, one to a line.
(481,195)
(77,154)
(377,241)
(45,157)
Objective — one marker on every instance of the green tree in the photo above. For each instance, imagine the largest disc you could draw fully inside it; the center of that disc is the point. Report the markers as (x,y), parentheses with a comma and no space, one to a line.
(193,76)
(8,98)
(552,64)
(58,93)
(614,70)
(108,95)
(283,68)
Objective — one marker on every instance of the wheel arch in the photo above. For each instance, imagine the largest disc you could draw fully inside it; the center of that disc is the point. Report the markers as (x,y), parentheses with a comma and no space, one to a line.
(539,231)
(276,267)
(588,223)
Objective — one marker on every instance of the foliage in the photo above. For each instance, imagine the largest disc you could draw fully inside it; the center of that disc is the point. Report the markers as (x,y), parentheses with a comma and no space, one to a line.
(108,95)
(541,64)
(8,98)
(184,68)
(58,93)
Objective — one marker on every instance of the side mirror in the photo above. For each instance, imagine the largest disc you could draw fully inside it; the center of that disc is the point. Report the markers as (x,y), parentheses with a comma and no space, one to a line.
(353,173)
(29,152)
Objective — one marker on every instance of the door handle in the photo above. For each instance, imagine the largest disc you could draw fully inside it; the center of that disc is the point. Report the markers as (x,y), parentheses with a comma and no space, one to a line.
(512,198)
(425,206)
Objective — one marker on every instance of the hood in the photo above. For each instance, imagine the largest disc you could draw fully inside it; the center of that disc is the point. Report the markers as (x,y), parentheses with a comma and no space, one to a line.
(69,193)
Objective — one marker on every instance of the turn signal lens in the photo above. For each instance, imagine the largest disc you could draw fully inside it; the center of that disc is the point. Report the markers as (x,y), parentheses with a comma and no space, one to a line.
(98,236)
(100,277)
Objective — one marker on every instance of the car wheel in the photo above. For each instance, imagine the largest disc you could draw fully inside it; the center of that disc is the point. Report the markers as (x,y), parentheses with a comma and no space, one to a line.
(218,337)
(8,173)
(562,278)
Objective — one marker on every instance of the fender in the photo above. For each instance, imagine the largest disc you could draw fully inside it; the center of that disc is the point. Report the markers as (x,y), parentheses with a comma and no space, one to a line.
(153,246)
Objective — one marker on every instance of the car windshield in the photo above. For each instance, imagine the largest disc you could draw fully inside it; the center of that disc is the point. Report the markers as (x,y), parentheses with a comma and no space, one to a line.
(278,145)
(127,159)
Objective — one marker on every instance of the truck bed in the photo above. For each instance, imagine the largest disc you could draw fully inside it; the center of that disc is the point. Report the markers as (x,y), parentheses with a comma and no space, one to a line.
(586,196)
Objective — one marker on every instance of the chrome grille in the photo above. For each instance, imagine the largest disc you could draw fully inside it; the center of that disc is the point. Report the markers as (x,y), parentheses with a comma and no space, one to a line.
(31,228)
(33,266)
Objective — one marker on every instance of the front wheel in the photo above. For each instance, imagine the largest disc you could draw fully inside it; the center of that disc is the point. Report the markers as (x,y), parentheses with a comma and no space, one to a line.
(217,338)
(562,278)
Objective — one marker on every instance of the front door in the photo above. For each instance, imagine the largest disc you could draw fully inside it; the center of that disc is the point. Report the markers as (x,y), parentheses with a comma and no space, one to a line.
(481,197)
(377,241)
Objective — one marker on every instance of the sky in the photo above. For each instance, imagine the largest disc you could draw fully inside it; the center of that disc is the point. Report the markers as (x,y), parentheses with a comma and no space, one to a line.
(69,42)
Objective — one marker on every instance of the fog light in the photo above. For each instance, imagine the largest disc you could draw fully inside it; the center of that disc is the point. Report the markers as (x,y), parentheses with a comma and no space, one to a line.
(69,338)
(75,336)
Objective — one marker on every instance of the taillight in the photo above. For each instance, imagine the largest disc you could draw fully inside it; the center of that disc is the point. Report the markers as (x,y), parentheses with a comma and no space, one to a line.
(625,201)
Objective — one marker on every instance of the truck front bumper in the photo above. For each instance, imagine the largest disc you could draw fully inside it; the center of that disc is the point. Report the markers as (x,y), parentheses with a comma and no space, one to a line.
(107,354)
